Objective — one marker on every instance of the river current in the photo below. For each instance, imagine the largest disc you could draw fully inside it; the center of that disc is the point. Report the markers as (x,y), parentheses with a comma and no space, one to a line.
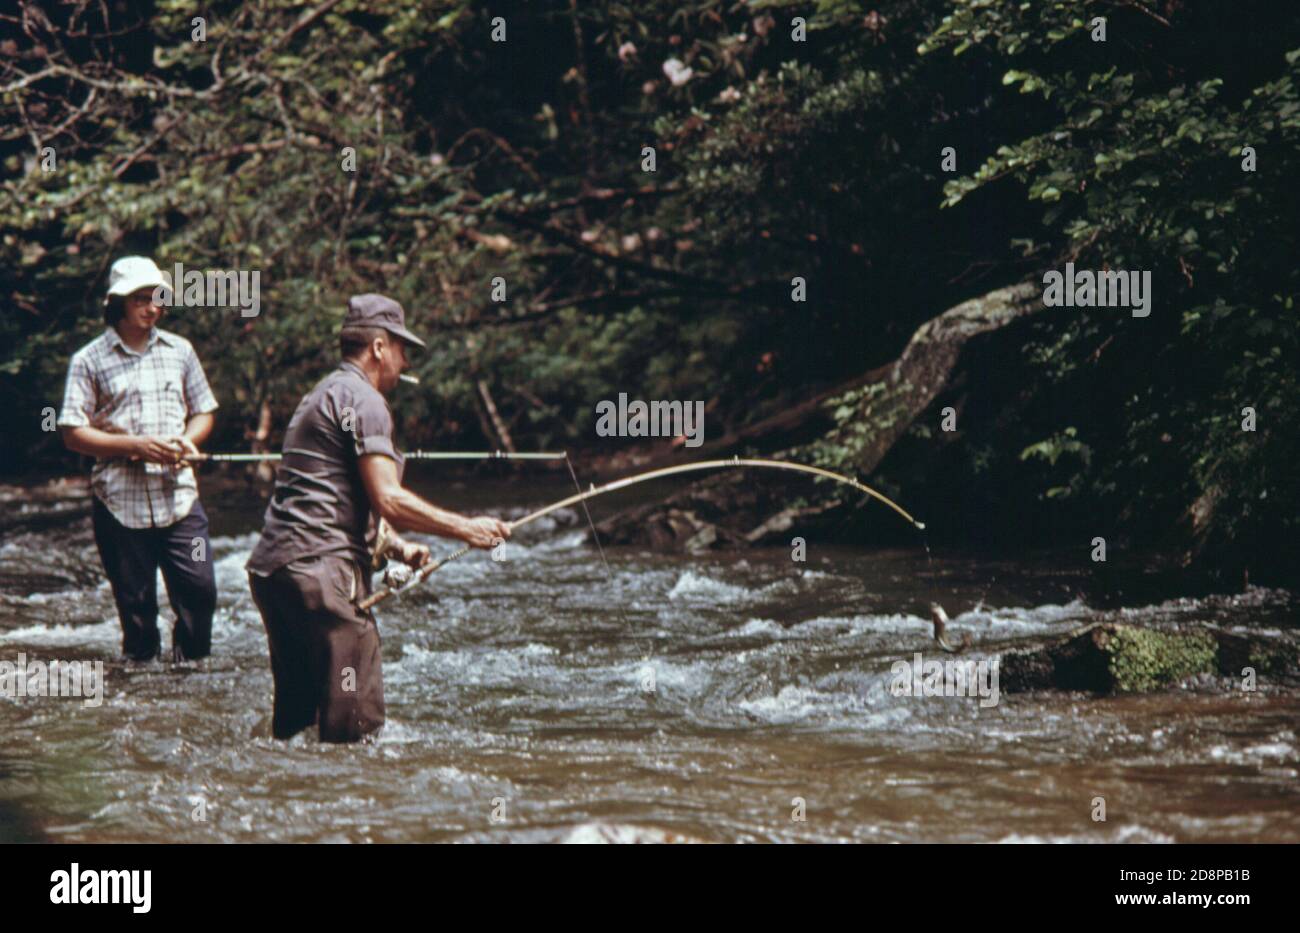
(732,697)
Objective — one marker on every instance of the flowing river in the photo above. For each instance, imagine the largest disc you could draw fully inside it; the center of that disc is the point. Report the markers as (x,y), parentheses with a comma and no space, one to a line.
(719,697)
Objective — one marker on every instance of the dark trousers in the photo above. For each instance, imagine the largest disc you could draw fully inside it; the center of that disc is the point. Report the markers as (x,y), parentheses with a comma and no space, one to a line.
(325,657)
(132,557)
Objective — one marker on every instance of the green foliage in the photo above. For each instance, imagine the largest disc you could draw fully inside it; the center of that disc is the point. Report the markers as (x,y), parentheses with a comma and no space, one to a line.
(1140,167)
(1052,449)
(775,159)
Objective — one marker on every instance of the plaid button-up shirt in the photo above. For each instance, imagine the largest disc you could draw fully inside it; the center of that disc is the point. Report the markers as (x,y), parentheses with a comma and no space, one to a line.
(114,388)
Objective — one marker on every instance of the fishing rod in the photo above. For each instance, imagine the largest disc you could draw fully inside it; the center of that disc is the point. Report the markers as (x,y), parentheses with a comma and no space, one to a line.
(411,455)
(581,497)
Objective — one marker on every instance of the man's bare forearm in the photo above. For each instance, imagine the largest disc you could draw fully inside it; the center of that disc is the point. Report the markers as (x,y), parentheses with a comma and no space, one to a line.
(94,442)
(199,427)
(406,511)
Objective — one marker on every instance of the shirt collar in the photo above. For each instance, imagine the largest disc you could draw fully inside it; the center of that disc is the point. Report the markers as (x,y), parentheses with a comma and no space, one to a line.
(155,335)
(351,367)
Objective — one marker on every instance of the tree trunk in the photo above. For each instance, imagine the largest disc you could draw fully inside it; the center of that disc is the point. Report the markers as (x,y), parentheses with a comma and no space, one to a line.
(741,507)
(264,471)
(504,441)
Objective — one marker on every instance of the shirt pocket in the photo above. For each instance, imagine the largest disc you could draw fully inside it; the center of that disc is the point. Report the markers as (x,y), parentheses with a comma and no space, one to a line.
(118,403)
(172,413)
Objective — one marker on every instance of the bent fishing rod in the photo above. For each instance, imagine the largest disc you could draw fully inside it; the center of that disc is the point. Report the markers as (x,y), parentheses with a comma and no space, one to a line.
(581,497)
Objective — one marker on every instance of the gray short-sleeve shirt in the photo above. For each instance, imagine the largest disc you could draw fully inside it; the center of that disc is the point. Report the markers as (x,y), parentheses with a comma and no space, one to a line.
(319,505)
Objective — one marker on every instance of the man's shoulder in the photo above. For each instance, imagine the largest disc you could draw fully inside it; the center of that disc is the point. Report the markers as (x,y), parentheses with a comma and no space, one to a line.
(175,340)
(330,391)
(347,384)
(93,350)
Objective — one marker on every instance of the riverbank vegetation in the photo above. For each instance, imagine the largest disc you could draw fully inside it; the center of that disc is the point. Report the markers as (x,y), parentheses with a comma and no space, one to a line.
(918,165)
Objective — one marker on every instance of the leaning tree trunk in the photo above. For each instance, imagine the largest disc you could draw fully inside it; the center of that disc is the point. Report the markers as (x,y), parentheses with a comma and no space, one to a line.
(736,509)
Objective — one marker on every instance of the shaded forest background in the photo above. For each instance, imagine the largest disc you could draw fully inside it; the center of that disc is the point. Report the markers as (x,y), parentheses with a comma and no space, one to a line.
(774,158)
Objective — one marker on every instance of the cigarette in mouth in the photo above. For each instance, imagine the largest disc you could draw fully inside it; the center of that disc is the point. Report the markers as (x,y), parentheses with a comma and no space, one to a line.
(407,377)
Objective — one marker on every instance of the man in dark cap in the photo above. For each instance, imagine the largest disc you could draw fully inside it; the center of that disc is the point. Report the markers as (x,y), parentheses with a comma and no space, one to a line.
(311,567)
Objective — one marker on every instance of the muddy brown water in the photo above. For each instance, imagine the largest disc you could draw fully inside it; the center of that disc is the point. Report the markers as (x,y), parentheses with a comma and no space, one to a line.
(518,707)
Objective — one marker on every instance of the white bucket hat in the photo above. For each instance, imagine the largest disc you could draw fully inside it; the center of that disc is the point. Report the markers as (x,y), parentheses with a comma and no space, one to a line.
(131,273)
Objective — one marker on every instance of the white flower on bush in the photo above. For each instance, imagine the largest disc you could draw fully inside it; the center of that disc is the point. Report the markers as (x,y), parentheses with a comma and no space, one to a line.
(676,72)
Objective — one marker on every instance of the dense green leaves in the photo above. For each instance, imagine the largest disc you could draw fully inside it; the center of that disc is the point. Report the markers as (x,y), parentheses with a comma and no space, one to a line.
(776,159)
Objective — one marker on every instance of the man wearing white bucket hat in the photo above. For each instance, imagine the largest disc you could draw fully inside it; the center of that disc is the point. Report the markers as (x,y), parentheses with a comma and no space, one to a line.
(138,402)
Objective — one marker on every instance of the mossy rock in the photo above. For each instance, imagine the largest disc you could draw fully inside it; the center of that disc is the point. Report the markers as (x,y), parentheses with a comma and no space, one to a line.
(1143,659)
(1111,658)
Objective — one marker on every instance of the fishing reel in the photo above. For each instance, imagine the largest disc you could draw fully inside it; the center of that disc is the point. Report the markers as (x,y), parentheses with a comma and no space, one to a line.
(397,575)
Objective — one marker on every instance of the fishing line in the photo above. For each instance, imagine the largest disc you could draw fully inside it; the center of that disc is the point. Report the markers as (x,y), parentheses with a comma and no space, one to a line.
(595,535)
